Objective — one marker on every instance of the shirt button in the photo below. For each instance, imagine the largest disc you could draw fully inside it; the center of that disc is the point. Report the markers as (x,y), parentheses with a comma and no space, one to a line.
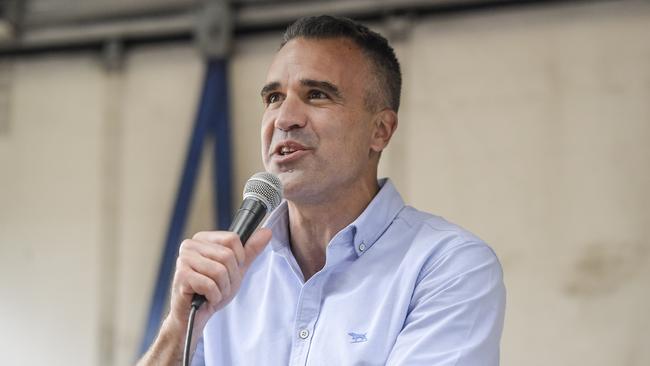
(303,334)
(362,247)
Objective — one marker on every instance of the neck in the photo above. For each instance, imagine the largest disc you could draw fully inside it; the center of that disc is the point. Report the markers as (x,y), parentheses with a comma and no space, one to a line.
(312,226)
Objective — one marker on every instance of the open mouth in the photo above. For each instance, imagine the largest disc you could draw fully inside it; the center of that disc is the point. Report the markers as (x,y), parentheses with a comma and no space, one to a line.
(286,150)
(289,147)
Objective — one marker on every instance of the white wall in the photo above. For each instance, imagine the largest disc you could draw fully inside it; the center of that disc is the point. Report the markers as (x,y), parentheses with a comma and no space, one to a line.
(531,129)
(527,126)
(50,212)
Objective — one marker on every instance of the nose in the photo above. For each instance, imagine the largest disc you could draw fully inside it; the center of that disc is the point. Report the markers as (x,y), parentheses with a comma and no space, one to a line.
(291,114)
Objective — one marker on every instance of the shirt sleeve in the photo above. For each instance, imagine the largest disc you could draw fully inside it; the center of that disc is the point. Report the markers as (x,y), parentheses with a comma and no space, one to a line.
(198,358)
(456,313)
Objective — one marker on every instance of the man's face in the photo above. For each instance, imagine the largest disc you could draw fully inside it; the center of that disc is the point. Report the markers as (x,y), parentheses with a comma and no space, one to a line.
(316,128)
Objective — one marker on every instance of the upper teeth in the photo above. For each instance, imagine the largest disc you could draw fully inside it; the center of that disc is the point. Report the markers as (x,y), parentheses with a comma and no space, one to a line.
(286,150)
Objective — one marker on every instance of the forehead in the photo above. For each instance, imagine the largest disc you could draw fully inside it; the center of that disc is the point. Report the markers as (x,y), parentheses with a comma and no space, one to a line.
(337,60)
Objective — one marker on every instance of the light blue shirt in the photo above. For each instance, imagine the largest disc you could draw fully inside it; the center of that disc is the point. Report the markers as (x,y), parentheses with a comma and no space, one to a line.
(399,287)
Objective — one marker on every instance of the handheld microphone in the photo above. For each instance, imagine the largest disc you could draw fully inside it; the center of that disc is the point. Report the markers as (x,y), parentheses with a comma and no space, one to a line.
(262,194)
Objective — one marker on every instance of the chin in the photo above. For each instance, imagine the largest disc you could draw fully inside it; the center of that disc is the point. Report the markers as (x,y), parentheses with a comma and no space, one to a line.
(296,186)
(289,179)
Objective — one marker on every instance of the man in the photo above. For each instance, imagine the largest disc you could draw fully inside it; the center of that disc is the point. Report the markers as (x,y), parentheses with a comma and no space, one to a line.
(351,276)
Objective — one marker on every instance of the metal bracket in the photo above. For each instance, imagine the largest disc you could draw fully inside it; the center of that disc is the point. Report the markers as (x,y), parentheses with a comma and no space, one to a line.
(113,54)
(12,16)
(213,29)
(5,95)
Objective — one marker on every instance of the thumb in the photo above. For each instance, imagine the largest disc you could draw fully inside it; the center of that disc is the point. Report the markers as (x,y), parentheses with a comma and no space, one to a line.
(255,245)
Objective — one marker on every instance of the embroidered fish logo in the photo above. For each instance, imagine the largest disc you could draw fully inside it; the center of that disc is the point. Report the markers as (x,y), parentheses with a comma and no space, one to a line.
(357,337)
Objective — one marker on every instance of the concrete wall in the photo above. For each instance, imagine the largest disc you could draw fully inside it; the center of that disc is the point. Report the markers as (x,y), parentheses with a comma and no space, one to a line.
(528,126)
(50,212)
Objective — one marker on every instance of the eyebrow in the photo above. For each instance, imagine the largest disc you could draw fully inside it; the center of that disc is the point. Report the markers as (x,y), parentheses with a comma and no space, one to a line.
(269,88)
(321,84)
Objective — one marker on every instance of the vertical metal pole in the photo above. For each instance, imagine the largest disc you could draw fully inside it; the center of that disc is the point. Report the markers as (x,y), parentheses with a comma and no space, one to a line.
(222,170)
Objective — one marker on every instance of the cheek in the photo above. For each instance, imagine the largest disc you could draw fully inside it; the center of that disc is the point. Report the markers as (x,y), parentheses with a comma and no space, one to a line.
(358,136)
(266,131)
(349,145)
(265,137)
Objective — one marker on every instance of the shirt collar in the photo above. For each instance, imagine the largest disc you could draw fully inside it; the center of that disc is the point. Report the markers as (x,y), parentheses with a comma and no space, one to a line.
(278,222)
(366,228)
(377,217)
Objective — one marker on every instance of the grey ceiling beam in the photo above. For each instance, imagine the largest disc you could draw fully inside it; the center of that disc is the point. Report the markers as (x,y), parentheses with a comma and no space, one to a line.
(49,13)
(270,14)
(141,28)
(92,26)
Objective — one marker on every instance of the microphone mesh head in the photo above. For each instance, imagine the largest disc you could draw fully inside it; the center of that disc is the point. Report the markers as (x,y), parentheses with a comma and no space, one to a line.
(266,187)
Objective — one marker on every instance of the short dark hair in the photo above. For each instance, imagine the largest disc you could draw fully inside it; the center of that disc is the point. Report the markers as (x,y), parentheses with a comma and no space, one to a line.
(374,45)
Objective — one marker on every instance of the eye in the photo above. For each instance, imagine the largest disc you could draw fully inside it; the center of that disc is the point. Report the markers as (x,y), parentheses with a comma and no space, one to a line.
(317,94)
(272,98)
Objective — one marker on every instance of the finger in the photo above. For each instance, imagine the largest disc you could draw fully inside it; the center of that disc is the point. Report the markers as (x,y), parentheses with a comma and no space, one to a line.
(197,283)
(224,238)
(191,259)
(214,254)
(256,244)
(212,269)
(219,253)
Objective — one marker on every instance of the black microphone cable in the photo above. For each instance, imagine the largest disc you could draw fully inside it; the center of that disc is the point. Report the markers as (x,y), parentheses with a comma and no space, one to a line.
(188,336)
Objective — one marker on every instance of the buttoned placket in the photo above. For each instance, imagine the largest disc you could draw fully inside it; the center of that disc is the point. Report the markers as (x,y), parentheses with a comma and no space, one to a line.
(307,313)
(309,300)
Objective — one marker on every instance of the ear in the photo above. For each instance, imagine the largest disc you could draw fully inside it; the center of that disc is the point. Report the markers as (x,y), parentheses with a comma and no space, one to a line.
(384,125)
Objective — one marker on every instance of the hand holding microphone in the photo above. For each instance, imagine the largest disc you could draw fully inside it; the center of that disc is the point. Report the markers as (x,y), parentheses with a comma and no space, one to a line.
(211,265)
(262,193)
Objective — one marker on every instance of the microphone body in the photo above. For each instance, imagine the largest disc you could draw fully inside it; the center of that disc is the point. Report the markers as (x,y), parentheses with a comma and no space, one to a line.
(248,217)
